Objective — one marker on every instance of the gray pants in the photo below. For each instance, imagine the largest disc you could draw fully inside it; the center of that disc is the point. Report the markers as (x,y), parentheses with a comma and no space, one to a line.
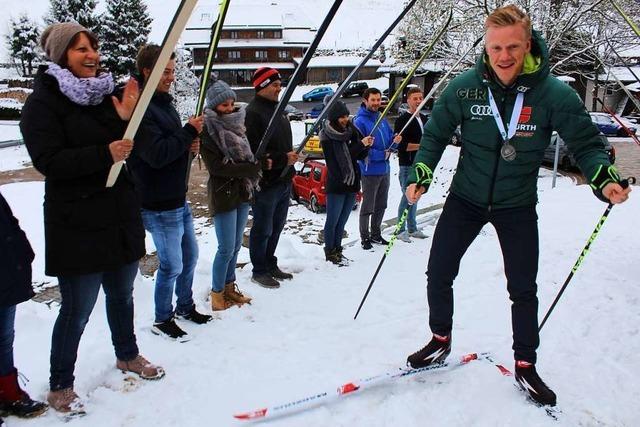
(375,190)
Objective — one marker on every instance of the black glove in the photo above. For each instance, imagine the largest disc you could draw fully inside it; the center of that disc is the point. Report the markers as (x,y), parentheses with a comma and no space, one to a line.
(603,176)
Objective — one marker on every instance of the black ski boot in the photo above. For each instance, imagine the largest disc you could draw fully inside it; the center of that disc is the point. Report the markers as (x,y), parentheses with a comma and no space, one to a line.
(434,352)
(531,383)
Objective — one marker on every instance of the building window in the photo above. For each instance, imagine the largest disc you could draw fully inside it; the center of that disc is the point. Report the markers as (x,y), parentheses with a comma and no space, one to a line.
(261,54)
(234,54)
(233,34)
(283,54)
(277,34)
(260,34)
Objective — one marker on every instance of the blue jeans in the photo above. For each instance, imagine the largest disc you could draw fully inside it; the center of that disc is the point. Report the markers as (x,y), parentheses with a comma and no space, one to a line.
(229,229)
(7,322)
(177,248)
(403,177)
(270,207)
(339,206)
(79,294)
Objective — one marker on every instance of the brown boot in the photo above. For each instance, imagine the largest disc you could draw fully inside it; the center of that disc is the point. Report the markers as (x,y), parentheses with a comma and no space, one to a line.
(142,367)
(219,301)
(232,293)
(66,401)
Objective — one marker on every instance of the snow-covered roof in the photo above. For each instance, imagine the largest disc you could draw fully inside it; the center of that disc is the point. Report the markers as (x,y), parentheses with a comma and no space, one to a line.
(249,66)
(338,61)
(631,51)
(432,65)
(622,73)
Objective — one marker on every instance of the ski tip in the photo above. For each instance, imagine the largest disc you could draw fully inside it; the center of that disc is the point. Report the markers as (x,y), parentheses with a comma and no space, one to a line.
(261,413)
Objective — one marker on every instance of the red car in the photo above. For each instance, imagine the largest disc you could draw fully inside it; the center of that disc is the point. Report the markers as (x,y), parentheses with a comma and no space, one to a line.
(309,186)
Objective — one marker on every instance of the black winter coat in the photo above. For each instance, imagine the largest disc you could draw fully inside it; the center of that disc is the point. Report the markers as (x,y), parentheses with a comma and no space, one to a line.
(357,151)
(259,112)
(15,262)
(88,228)
(411,135)
(226,189)
(161,157)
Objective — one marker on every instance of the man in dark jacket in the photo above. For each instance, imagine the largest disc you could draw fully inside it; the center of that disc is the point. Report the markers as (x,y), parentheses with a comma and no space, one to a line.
(407,150)
(271,202)
(159,164)
(15,287)
(496,178)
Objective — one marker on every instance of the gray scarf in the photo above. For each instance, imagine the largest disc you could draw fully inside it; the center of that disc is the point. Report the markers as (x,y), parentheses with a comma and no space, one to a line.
(229,134)
(330,135)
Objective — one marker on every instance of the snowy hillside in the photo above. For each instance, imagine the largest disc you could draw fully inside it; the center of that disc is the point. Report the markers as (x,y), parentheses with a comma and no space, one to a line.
(302,339)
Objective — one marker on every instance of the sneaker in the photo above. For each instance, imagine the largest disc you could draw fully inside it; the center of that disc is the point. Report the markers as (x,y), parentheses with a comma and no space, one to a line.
(194,316)
(66,401)
(141,366)
(379,240)
(366,244)
(530,382)
(404,236)
(418,234)
(265,280)
(434,352)
(278,274)
(169,329)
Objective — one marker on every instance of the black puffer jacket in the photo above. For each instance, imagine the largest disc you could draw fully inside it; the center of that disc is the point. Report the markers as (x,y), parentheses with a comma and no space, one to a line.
(259,112)
(88,228)
(15,262)
(161,156)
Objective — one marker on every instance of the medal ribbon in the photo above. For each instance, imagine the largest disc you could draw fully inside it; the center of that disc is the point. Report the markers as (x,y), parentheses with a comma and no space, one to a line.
(515,115)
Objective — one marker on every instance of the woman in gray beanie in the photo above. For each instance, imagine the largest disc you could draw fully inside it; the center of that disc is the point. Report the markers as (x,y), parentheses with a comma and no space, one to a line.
(233,177)
(72,125)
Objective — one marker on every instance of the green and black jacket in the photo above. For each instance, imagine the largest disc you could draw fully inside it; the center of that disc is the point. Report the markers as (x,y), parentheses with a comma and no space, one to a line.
(482,176)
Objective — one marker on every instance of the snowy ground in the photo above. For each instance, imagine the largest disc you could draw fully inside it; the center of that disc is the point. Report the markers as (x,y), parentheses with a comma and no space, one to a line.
(302,339)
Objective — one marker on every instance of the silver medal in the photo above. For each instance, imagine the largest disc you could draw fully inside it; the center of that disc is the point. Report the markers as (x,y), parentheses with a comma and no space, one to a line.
(508,152)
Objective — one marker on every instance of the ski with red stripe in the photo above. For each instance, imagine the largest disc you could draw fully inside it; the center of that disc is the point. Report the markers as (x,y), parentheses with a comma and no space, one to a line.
(350,388)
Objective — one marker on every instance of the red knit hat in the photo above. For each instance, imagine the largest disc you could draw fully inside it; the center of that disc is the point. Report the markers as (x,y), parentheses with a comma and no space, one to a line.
(263,77)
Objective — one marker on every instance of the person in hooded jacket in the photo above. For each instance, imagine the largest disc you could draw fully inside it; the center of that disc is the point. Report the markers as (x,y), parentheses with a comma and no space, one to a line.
(72,125)
(342,146)
(15,287)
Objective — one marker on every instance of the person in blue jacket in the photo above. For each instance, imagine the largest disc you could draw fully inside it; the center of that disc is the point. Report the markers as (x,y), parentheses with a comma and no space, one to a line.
(374,168)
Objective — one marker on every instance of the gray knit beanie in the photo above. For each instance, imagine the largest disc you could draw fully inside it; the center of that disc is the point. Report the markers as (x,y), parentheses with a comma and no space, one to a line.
(56,39)
(219,92)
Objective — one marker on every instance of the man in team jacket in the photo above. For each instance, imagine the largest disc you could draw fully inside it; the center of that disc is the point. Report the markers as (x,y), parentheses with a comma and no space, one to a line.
(507,107)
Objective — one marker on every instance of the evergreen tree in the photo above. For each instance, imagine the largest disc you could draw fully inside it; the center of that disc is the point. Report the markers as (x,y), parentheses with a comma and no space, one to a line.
(125,27)
(186,85)
(80,11)
(22,43)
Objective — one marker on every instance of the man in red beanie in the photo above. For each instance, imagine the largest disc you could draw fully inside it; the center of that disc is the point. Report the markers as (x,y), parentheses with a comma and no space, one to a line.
(271,202)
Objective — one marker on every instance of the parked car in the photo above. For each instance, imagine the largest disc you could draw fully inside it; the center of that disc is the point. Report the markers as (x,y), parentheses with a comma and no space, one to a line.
(317,94)
(404,108)
(293,113)
(315,111)
(609,126)
(355,88)
(312,148)
(309,186)
(566,160)
(384,101)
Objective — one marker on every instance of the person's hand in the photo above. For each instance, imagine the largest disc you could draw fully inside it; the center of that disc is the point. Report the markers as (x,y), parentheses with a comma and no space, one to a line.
(414,193)
(195,147)
(197,123)
(367,141)
(130,96)
(266,163)
(120,150)
(397,139)
(615,193)
(292,157)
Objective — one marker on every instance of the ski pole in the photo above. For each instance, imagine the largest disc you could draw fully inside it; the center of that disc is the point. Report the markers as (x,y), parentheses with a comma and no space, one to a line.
(345,83)
(624,183)
(296,78)
(425,176)
(437,85)
(216,32)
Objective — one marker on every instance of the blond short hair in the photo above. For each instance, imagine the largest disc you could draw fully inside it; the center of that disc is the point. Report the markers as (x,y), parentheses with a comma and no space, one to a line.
(506,16)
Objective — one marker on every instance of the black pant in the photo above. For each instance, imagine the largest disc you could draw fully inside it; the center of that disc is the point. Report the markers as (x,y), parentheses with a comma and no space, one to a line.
(517,230)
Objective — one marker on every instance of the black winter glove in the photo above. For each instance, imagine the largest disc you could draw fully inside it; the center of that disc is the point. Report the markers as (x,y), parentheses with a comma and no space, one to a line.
(603,176)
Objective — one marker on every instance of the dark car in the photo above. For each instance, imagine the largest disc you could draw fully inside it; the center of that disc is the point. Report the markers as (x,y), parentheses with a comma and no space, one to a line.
(293,113)
(315,111)
(610,126)
(355,88)
(566,160)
